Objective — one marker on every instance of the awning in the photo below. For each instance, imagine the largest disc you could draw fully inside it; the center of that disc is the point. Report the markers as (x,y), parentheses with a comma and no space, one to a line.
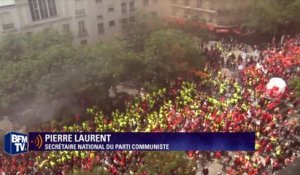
(210,26)
(236,31)
(199,74)
(222,30)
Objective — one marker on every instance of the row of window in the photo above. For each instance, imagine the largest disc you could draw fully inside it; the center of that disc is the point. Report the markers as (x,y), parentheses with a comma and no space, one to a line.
(209,4)
(131,5)
(188,2)
(112,23)
(83,32)
(145,2)
(82,29)
(189,13)
(42,9)
(100,26)
(124,7)
(8,26)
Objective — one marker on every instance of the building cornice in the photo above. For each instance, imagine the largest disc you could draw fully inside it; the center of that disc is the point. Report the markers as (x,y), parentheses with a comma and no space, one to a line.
(195,8)
(45,22)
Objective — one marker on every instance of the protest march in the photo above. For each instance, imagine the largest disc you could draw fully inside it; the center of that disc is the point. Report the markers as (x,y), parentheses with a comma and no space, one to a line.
(245,97)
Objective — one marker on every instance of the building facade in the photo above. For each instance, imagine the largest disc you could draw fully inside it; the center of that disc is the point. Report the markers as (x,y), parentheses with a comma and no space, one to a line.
(92,20)
(88,20)
(221,13)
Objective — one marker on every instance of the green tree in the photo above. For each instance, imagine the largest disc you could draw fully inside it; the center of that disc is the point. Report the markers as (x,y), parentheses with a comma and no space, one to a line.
(45,75)
(47,70)
(25,62)
(140,30)
(169,53)
(192,26)
(295,84)
(165,163)
(272,15)
(97,170)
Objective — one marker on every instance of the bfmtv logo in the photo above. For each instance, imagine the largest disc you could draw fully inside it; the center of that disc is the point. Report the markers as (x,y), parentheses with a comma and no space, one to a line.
(15,143)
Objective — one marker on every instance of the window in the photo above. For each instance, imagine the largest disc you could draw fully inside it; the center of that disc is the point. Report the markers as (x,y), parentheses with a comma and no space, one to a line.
(83,42)
(124,23)
(186,13)
(29,34)
(146,15)
(6,20)
(111,23)
(100,17)
(110,9)
(131,6)
(42,9)
(101,28)
(79,8)
(146,2)
(8,26)
(174,11)
(132,19)
(66,28)
(199,3)
(123,7)
(81,27)
(98,1)
(154,1)
(154,14)
(211,6)
(80,12)
(124,20)
(210,18)
(186,2)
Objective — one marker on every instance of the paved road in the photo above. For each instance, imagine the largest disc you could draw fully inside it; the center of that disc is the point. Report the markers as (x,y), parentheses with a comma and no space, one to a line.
(213,167)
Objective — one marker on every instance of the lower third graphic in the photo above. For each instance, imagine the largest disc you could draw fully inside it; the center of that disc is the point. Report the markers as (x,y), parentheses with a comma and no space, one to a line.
(15,143)
(38,141)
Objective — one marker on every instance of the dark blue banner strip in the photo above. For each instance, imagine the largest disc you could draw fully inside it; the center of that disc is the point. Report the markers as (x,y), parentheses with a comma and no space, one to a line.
(168,141)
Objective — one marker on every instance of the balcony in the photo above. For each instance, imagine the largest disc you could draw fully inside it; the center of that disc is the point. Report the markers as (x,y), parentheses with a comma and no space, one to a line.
(80,12)
(8,26)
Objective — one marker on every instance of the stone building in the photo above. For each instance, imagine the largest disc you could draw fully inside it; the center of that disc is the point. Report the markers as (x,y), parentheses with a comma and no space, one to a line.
(93,20)
(88,20)
(220,13)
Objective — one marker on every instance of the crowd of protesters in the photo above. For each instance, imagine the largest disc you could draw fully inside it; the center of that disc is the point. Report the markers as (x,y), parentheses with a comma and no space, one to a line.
(211,103)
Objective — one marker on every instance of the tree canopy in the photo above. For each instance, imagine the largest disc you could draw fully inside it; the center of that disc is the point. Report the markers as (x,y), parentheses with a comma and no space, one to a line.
(169,53)
(47,70)
(271,15)
(141,29)
(296,85)
(45,73)
(168,163)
